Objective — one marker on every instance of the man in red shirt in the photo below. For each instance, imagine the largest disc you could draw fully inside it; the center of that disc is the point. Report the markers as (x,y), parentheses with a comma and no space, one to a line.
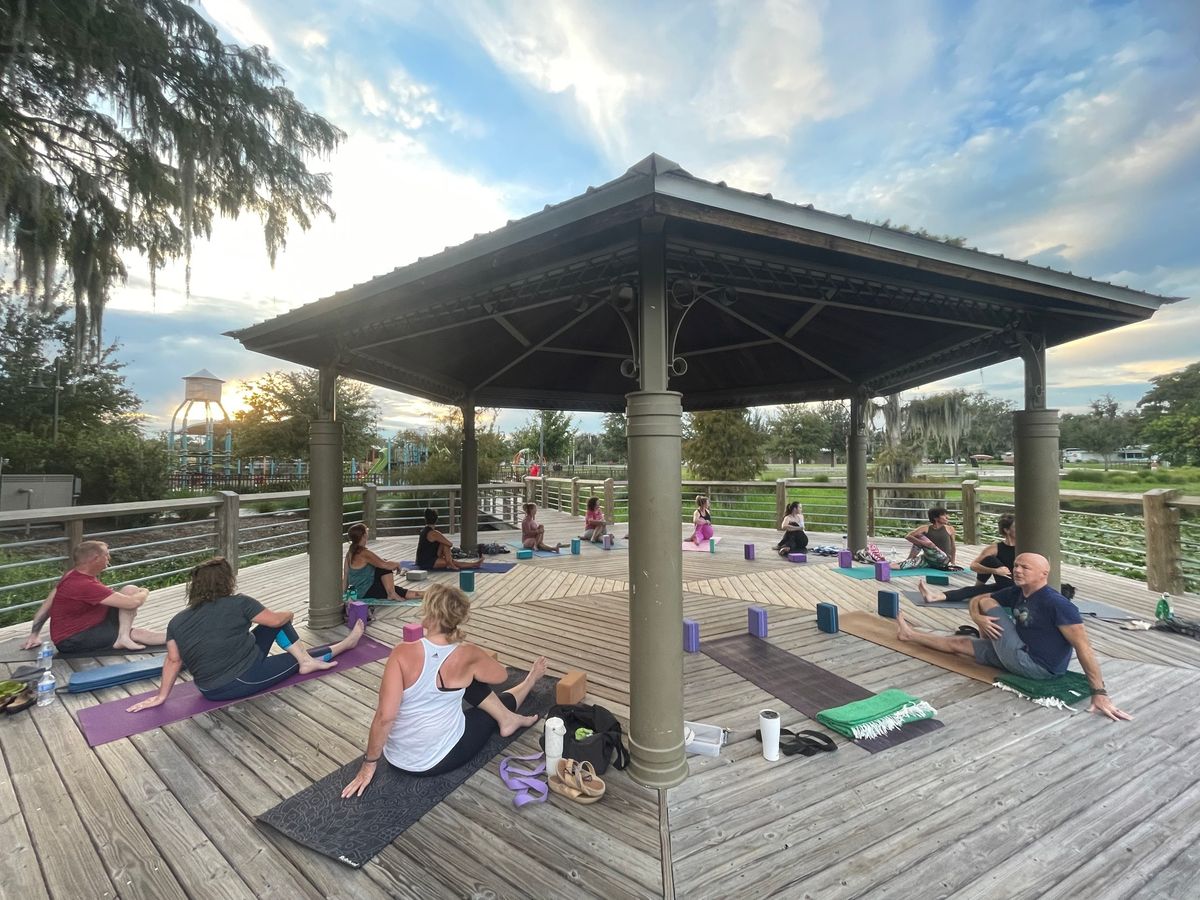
(85,615)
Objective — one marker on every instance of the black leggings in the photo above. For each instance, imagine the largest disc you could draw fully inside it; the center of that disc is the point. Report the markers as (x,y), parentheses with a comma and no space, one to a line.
(478,731)
(268,670)
(794,541)
(377,591)
(981,586)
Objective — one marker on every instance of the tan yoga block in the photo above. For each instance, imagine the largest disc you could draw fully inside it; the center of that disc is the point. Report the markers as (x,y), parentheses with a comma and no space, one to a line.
(571,688)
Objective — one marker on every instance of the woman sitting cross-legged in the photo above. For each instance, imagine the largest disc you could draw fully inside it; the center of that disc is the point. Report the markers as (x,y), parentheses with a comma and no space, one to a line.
(367,574)
(594,525)
(794,539)
(533,535)
(701,521)
(419,726)
(434,550)
(212,638)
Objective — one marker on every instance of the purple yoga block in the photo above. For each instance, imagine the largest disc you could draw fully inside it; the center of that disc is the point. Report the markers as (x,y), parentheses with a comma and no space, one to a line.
(749,551)
(756,621)
(413,632)
(845,559)
(356,611)
(827,618)
(798,557)
(691,636)
(883,571)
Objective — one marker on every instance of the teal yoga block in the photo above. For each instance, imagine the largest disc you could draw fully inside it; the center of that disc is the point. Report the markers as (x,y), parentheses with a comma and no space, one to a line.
(466,580)
(943,580)
(525,554)
(827,618)
(889,604)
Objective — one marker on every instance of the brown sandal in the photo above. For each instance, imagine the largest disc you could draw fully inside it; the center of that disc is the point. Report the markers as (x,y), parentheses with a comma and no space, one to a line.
(569,783)
(21,702)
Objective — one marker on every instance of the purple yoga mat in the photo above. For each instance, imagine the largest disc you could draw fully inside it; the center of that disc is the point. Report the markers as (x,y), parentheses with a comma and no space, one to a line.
(495,567)
(109,721)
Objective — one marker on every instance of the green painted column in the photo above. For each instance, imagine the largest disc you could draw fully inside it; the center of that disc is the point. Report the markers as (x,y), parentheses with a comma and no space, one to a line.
(325,508)
(856,475)
(655,558)
(1036,462)
(470,480)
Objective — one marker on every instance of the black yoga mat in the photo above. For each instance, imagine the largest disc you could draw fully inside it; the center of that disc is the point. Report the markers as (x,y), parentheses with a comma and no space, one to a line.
(11,652)
(353,831)
(915,598)
(802,685)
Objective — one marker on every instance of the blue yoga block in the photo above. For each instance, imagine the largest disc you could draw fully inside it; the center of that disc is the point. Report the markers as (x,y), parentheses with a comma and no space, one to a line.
(756,621)
(466,580)
(525,554)
(889,604)
(691,636)
(827,619)
(575,546)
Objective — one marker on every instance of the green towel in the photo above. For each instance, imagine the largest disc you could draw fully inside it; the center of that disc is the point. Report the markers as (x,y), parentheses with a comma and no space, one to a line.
(876,716)
(1058,692)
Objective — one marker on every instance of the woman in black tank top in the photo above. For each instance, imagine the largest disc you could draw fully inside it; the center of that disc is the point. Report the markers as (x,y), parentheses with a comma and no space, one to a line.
(994,561)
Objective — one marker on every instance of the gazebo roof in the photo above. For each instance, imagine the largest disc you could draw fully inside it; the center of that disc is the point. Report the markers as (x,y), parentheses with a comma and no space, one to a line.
(770,302)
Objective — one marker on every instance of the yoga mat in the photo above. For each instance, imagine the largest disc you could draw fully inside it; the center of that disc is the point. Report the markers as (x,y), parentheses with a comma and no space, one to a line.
(11,652)
(882,631)
(618,544)
(1102,611)
(494,567)
(868,572)
(915,598)
(354,830)
(109,721)
(802,685)
(541,553)
(703,548)
(110,676)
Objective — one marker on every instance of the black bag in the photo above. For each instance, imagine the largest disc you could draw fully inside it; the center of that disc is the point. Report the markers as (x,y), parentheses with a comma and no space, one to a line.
(605,744)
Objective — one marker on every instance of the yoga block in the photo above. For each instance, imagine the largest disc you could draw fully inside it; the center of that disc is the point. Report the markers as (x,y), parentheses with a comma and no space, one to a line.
(526,553)
(575,546)
(845,559)
(691,636)
(798,557)
(889,604)
(413,632)
(943,580)
(749,549)
(756,621)
(356,611)
(608,542)
(416,575)
(883,571)
(466,580)
(827,619)
(570,688)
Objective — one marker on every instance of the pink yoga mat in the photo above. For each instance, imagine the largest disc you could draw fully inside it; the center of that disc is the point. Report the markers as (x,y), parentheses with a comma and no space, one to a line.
(109,721)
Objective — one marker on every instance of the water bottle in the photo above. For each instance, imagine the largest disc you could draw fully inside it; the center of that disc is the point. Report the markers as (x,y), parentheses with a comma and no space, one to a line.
(1162,611)
(45,655)
(45,689)
(555,733)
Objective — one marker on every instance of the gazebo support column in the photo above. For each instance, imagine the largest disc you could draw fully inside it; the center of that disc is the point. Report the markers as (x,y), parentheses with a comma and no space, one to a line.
(655,559)
(856,475)
(325,508)
(470,479)
(1036,463)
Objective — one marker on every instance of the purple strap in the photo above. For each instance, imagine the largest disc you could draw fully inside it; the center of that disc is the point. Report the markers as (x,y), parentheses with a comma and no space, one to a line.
(529,788)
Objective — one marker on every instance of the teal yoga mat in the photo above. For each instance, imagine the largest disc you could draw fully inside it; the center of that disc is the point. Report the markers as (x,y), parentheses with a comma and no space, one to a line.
(866,573)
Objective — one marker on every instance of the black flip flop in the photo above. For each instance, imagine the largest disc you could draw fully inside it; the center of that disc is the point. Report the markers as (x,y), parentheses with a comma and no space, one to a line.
(967,631)
(21,702)
(801,743)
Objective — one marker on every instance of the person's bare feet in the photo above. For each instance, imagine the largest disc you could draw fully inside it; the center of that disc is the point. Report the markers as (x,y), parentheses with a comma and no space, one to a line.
(313,664)
(536,671)
(904,631)
(929,594)
(513,723)
(128,645)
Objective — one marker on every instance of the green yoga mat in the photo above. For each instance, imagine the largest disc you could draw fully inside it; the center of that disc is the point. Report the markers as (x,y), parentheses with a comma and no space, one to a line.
(1059,692)
(865,573)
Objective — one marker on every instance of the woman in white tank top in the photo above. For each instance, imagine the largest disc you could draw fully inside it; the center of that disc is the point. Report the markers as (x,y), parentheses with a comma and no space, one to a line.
(420,726)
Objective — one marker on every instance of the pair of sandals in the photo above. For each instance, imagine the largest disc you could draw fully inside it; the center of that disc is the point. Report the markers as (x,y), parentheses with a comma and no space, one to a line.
(802,743)
(16,696)
(577,781)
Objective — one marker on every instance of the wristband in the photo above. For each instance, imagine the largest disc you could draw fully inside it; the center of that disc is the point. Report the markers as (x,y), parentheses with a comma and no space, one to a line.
(1099,692)
(375,760)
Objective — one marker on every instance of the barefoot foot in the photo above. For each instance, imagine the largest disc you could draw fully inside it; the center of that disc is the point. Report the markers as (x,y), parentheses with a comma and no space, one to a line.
(128,645)
(513,723)
(312,664)
(350,641)
(536,671)
(904,631)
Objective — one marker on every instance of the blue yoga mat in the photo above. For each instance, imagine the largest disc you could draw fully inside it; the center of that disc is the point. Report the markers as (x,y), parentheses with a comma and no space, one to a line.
(566,551)
(494,567)
(865,573)
(110,676)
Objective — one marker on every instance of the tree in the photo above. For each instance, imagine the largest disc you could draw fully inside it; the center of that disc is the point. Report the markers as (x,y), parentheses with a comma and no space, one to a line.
(444,463)
(942,418)
(587,448)
(614,443)
(990,429)
(1170,415)
(836,416)
(547,433)
(723,445)
(897,457)
(1104,430)
(797,432)
(282,405)
(129,125)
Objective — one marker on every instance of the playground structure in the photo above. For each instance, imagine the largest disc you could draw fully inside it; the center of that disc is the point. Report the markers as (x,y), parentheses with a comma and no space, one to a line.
(193,444)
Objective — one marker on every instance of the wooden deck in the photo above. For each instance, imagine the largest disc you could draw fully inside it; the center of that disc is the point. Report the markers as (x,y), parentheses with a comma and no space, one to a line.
(1008,799)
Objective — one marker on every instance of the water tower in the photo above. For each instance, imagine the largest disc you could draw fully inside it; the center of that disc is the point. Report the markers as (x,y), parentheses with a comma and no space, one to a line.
(204,389)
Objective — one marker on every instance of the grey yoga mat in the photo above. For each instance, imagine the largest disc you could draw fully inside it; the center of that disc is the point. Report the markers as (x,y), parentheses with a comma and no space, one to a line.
(802,685)
(353,831)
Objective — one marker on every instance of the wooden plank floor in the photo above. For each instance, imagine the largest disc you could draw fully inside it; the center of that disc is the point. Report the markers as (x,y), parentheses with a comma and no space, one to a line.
(1007,800)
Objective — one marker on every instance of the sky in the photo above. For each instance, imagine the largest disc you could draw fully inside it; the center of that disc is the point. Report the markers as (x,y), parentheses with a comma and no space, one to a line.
(1066,133)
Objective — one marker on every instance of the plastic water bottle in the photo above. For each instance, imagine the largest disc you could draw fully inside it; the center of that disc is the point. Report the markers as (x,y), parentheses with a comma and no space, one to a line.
(1162,611)
(45,689)
(45,655)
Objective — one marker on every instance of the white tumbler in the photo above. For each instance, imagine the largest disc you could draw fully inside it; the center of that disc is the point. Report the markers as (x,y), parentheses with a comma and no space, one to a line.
(555,732)
(768,726)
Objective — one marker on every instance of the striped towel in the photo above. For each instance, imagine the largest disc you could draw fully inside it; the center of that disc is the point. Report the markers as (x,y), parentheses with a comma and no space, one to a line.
(876,716)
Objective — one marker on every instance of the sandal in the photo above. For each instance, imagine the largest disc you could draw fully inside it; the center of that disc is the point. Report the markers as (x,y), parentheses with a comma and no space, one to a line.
(967,631)
(802,743)
(20,702)
(589,782)
(567,783)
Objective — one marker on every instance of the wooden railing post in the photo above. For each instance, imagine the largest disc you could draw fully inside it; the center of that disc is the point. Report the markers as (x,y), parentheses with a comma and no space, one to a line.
(610,501)
(1163,551)
(575,496)
(780,499)
(74,537)
(371,510)
(970,511)
(227,527)
(545,492)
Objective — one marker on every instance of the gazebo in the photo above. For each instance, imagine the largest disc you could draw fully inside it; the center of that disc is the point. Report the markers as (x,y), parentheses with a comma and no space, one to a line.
(659,292)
